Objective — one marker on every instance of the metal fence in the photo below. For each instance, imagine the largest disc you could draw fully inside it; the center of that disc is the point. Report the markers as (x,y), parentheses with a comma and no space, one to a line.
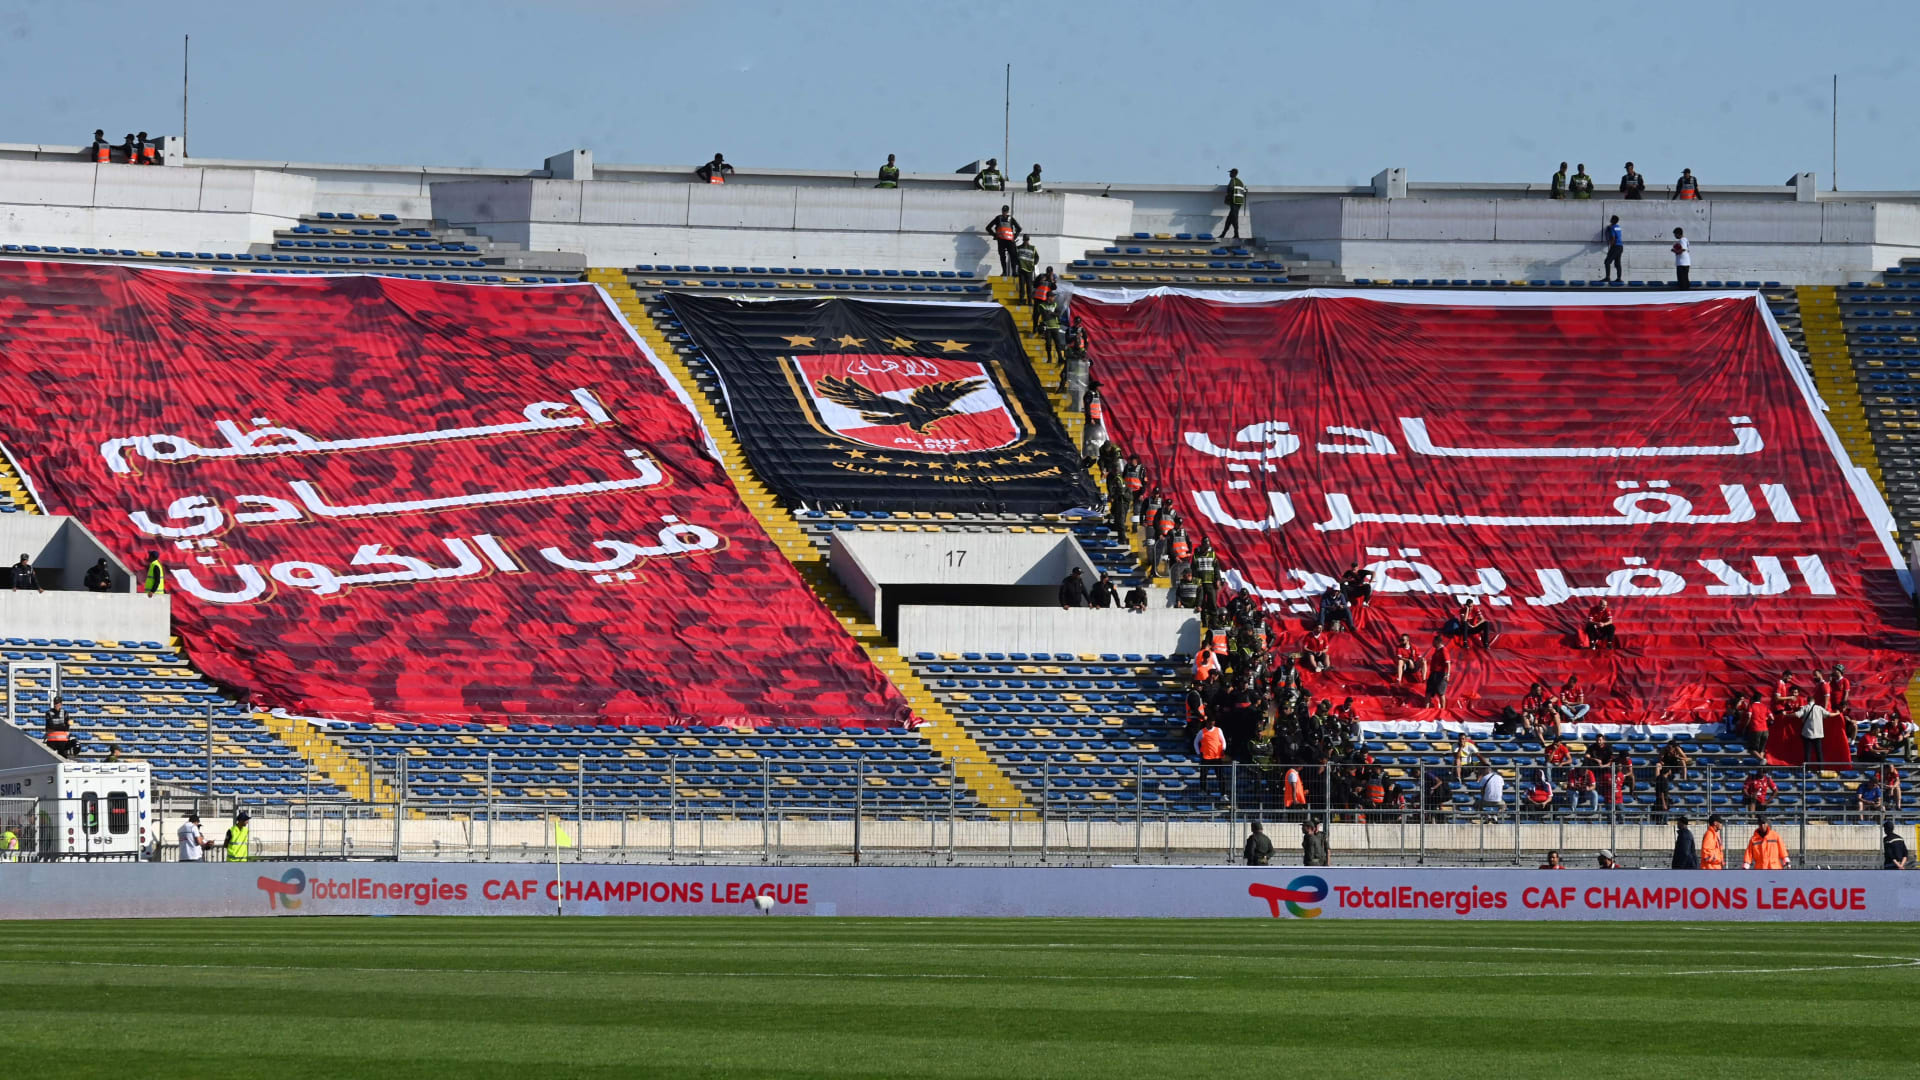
(1150,818)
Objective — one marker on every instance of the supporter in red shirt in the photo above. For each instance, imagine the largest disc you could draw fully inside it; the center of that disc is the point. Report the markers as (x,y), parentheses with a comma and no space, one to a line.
(1558,755)
(1842,687)
(1572,705)
(1407,664)
(1758,791)
(1314,656)
(1822,692)
(1890,780)
(1582,787)
(1600,629)
(1439,670)
(1620,779)
(1553,862)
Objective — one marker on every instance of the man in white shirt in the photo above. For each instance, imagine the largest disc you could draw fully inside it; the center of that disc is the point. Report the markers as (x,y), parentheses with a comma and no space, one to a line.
(1682,259)
(1813,731)
(1493,790)
(191,840)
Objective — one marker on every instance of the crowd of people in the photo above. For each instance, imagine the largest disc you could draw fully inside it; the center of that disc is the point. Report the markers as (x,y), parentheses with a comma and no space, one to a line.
(135,149)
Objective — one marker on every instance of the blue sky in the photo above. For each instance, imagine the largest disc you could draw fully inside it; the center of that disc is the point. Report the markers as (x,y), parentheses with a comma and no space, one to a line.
(1112,90)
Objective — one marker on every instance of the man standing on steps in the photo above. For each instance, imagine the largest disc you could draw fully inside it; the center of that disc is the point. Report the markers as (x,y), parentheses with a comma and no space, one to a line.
(1236,198)
(1025,259)
(1616,247)
(1005,230)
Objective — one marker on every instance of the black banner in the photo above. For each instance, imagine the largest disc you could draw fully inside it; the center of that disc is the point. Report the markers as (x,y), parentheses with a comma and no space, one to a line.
(857,405)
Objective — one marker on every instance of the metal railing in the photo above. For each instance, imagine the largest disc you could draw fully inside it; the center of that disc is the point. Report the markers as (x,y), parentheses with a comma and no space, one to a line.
(1157,815)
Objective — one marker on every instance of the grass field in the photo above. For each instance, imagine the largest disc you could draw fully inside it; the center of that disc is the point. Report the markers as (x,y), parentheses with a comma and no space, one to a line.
(779,997)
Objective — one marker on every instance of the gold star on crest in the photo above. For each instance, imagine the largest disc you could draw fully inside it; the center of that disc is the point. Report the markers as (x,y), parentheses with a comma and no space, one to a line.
(951,346)
(935,465)
(848,341)
(798,341)
(1023,458)
(900,343)
(856,453)
(883,460)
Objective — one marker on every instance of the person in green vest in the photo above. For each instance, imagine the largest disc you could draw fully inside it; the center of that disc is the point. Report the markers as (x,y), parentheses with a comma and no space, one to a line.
(989,178)
(238,837)
(1025,259)
(1559,190)
(889,174)
(9,844)
(1052,329)
(1581,185)
(156,575)
(1236,198)
(1033,180)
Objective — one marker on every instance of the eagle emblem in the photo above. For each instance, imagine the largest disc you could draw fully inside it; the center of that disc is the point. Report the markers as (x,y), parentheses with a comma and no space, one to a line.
(922,404)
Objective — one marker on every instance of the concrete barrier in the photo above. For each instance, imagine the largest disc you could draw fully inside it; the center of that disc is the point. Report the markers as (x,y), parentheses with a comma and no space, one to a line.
(177,890)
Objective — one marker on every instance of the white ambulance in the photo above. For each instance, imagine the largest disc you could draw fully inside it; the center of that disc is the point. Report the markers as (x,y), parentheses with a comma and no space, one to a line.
(77,810)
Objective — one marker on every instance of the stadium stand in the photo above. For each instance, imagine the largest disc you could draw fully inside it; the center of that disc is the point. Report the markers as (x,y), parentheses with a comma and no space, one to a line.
(1077,733)
(143,700)
(334,243)
(1195,259)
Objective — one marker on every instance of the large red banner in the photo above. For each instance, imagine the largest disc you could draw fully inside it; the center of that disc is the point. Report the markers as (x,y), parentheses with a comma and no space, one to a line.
(1538,454)
(390,499)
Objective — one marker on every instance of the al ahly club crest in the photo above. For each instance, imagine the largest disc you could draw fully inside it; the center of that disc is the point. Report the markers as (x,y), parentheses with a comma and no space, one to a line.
(920,404)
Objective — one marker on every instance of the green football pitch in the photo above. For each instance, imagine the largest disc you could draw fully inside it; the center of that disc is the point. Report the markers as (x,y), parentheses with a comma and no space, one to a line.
(814,997)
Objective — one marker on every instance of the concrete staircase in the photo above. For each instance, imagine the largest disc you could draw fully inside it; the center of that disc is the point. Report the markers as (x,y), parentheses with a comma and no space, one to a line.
(1832,366)
(329,759)
(945,735)
(1833,372)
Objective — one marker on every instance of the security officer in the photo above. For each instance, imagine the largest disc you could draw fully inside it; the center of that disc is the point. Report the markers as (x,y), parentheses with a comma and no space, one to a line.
(1120,508)
(149,152)
(237,838)
(1005,230)
(1044,300)
(989,178)
(1187,593)
(1180,552)
(1236,198)
(1581,185)
(129,153)
(1687,187)
(1053,329)
(1033,180)
(1559,190)
(9,844)
(156,574)
(1206,573)
(715,171)
(1025,259)
(101,151)
(889,174)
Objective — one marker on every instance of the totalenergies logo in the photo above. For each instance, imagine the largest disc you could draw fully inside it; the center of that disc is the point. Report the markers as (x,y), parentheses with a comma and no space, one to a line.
(286,889)
(1300,892)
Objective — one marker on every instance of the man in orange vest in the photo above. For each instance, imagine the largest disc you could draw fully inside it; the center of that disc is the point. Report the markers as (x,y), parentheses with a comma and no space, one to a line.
(149,151)
(1210,745)
(715,171)
(1206,666)
(1687,187)
(1765,851)
(101,151)
(1293,794)
(1713,846)
(1006,231)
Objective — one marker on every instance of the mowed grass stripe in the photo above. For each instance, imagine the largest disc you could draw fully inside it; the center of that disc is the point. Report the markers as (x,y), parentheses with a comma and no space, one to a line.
(1042,998)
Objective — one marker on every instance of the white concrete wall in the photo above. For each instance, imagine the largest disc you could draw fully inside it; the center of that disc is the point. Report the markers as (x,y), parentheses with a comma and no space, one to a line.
(627,224)
(1792,242)
(85,205)
(867,563)
(938,629)
(60,548)
(86,616)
